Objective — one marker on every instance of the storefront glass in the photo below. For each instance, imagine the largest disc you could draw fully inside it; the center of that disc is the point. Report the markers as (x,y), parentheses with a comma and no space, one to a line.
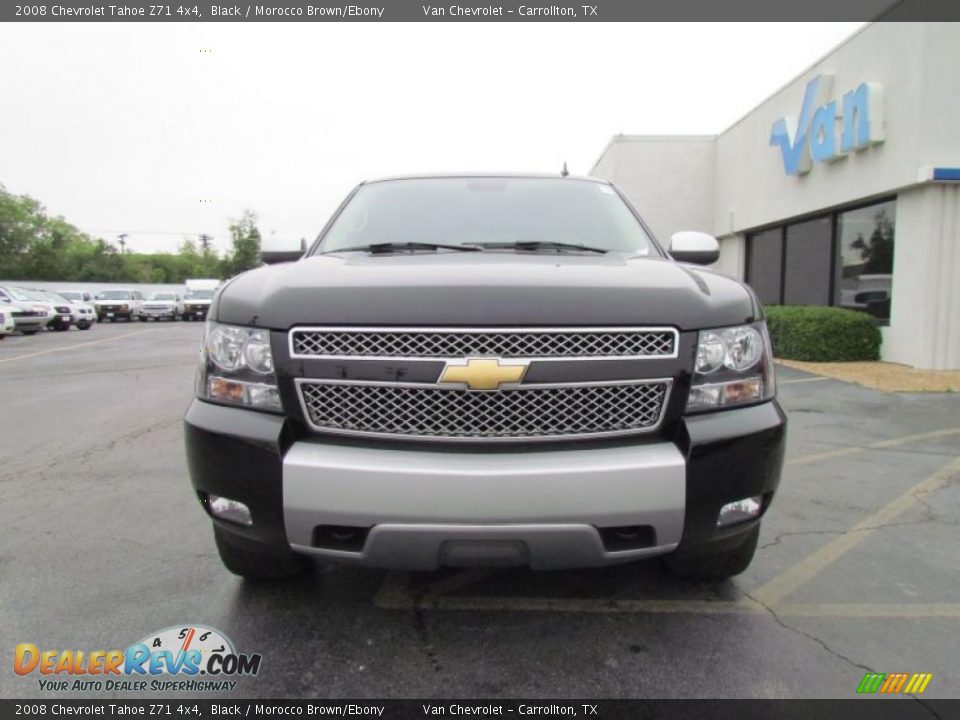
(843,259)
(865,261)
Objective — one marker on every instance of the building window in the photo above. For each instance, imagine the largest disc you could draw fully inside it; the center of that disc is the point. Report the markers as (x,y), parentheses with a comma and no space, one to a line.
(765,265)
(865,261)
(808,262)
(843,258)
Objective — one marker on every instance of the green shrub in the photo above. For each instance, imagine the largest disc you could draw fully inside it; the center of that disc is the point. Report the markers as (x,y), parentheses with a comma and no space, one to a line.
(822,334)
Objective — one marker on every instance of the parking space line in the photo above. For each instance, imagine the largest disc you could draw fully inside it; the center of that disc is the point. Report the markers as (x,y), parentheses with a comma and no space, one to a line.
(871,610)
(880,445)
(71,347)
(787,582)
(819,378)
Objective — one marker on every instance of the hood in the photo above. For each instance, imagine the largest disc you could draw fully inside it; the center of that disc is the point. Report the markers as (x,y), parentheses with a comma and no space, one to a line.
(484,289)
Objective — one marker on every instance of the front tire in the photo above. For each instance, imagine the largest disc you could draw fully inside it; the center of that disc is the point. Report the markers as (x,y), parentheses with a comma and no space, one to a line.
(29,332)
(716,566)
(258,566)
(84,326)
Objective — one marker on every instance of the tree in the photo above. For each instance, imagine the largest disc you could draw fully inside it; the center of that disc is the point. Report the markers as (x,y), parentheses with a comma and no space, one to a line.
(245,238)
(877,254)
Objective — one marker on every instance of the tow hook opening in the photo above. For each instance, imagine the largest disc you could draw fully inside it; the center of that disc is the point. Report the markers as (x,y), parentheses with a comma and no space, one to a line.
(340,537)
(627,537)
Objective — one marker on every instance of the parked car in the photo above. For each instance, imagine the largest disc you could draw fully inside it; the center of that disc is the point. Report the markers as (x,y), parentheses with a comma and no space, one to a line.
(86,312)
(196,304)
(78,296)
(67,312)
(29,315)
(7,325)
(123,304)
(160,306)
(487,371)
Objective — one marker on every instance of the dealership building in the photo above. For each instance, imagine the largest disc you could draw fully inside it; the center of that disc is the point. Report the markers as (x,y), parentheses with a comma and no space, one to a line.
(842,188)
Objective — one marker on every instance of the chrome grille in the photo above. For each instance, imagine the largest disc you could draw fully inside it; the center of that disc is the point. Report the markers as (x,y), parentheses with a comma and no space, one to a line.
(535,412)
(454,343)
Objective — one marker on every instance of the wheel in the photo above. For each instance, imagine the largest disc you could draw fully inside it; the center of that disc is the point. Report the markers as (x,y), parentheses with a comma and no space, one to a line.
(716,566)
(113,319)
(84,326)
(143,319)
(30,332)
(100,318)
(258,566)
(60,327)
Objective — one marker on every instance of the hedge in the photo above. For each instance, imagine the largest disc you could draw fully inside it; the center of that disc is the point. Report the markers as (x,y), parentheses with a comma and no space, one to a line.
(822,334)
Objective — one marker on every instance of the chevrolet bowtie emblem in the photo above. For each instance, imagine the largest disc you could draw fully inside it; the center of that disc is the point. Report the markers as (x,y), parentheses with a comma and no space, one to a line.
(483,373)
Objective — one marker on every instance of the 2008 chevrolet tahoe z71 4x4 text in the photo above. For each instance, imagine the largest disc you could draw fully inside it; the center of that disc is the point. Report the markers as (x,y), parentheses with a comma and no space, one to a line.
(486,370)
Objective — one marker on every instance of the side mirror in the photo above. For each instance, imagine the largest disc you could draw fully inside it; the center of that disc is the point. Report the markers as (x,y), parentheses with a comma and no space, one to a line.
(691,246)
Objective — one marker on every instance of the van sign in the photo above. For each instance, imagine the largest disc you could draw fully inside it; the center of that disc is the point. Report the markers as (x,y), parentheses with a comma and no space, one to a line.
(814,137)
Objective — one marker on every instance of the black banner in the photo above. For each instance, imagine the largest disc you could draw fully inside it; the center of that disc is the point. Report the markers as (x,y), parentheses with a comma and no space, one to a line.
(873,709)
(467,11)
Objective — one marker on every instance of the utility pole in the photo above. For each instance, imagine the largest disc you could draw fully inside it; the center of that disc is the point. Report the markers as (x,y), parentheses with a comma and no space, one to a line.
(205,243)
(123,242)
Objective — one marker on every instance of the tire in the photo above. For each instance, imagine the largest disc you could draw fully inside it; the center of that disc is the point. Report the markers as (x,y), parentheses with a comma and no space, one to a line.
(84,326)
(30,332)
(716,566)
(256,566)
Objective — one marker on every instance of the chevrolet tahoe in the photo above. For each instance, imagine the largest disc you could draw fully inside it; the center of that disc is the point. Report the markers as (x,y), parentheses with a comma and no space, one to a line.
(489,370)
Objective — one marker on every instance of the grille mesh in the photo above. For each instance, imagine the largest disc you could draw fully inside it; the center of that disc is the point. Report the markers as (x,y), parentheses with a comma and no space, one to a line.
(518,413)
(456,344)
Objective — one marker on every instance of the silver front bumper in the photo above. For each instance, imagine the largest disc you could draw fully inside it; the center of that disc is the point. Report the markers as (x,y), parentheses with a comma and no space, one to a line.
(429,509)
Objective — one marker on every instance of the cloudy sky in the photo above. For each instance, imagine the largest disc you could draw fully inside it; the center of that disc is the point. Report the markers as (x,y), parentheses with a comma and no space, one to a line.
(164,131)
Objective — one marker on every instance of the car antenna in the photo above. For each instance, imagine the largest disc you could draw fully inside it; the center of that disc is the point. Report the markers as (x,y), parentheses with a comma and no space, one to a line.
(564,172)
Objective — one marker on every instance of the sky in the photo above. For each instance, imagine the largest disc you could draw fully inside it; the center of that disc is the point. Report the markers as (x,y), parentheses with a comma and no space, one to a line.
(166,131)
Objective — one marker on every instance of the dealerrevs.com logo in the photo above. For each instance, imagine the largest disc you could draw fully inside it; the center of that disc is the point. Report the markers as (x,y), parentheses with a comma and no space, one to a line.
(186,658)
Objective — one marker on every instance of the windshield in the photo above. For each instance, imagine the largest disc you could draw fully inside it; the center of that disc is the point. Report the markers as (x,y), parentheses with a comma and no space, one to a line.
(199,295)
(464,211)
(71,295)
(162,296)
(55,297)
(115,295)
(25,295)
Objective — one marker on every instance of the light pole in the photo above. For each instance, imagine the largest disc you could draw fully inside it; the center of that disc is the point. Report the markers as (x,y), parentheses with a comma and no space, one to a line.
(123,242)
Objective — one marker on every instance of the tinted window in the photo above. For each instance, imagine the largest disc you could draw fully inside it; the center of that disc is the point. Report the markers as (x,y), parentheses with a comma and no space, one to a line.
(488,210)
(764,265)
(807,278)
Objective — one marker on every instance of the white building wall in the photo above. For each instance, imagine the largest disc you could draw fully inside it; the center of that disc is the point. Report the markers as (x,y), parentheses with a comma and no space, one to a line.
(925,315)
(670,180)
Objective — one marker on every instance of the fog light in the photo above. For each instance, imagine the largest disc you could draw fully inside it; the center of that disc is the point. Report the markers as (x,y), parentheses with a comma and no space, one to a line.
(227,509)
(740,510)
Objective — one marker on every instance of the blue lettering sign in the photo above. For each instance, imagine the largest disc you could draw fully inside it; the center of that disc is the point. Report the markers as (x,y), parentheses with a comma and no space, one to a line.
(812,137)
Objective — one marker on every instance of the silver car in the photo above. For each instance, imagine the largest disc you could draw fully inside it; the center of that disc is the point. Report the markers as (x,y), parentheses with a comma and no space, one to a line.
(161,306)
(29,315)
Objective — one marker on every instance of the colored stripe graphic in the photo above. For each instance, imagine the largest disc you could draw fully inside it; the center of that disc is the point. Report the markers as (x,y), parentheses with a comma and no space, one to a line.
(893,683)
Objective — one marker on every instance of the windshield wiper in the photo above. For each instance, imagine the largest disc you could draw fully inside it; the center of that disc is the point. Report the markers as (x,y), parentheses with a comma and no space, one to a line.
(389,247)
(541,245)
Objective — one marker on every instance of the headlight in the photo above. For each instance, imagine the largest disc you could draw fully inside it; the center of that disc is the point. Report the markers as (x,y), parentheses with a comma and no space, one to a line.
(236,368)
(734,366)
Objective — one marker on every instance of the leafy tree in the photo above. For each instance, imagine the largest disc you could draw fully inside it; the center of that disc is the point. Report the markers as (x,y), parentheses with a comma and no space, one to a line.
(245,238)
(877,253)
(35,246)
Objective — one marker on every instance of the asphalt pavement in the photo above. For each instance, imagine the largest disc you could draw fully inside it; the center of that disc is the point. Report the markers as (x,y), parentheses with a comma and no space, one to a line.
(103,543)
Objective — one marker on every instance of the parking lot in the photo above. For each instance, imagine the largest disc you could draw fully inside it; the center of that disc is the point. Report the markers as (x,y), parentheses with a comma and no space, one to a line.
(104,543)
